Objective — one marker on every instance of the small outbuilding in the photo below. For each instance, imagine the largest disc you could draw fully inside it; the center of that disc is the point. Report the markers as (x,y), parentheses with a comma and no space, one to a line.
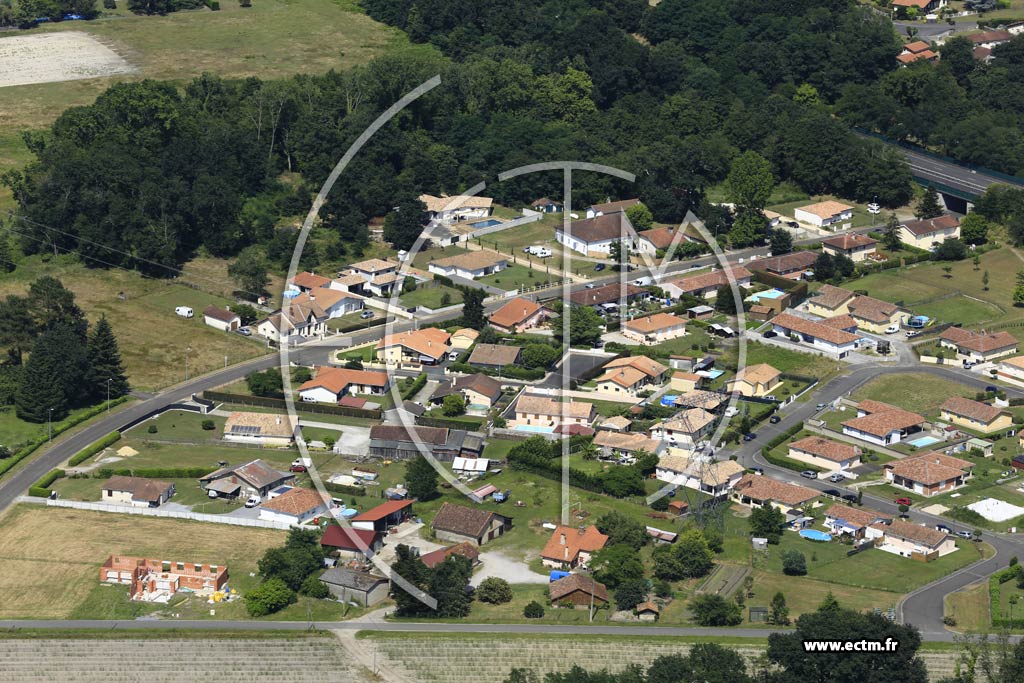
(348,585)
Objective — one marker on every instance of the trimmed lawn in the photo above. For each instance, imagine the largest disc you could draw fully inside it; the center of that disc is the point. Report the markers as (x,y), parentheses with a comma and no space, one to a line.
(430,296)
(970,608)
(885,571)
(788,361)
(180,425)
(920,393)
(540,233)
(517,276)
(425,256)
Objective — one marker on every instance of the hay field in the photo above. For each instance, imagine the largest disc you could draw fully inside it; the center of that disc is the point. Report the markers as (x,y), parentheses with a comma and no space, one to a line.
(50,557)
(55,57)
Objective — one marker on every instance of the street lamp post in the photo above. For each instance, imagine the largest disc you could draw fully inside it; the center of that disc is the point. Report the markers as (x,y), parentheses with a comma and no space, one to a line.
(49,424)
(108,394)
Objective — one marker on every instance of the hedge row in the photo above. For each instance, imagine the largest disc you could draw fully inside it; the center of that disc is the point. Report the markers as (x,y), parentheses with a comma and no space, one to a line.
(508,371)
(415,387)
(30,447)
(41,489)
(450,423)
(994,583)
(347,490)
(300,406)
(156,472)
(784,436)
(94,448)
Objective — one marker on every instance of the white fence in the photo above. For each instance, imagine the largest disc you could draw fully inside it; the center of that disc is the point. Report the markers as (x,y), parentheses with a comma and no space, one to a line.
(169,514)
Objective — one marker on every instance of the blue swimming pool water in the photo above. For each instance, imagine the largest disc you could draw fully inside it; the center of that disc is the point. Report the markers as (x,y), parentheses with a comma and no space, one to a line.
(537,429)
(715,374)
(923,441)
(767,294)
(668,400)
(815,535)
(485,224)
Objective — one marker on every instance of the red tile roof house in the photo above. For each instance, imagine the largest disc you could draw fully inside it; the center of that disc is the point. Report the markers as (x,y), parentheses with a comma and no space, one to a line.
(577,591)
(980,417)
(855,247)
(706,284)
(458,523)
(571,547)
(221,318)
(843,519)
(917,542)
(159,580)
(608,294)
(384,516)
(824,338)
(929,474)
(464,549)
(790,266)
(757,489)
(825,453)
(295,507)
(332,384)
(825,214)
(978,346)
(654,329)
(518,315)
(882,424)
(928,233)
(349,544)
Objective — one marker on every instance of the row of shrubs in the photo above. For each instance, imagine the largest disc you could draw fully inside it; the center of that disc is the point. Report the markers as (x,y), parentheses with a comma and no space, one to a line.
(94,448)
(409,392)
(155,472)
(30,447)
(509,371)
(41,488)
(343,489)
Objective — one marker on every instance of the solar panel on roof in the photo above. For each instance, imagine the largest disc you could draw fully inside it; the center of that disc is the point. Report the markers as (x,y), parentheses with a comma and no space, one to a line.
(245,429)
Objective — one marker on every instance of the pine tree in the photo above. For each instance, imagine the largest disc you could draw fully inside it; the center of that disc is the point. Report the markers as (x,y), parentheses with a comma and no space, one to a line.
(929,207)
(105,363)
(891,236)
(42,387)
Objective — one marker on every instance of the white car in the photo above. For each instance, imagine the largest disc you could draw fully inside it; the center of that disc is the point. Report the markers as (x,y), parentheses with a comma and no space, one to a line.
(252,502)
(874,208)
(892,329)
(184,311)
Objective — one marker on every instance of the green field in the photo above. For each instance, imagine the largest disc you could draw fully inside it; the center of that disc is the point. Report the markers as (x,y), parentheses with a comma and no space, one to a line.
(430,295)
(918,392)
(517,276)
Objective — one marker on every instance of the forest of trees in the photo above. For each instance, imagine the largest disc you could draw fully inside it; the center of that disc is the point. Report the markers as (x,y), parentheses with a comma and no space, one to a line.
(151,173)
(27,12)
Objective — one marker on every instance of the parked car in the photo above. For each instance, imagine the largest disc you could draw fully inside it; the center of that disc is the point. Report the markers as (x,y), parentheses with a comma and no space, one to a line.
(252,502)
(850,497)
(912,333)
(892,329)
(965,534)
(775,419)
(904,501)
(365,315)
(768,334)
(968,364)
(994,390)
(599,267)
(297,468)
(874,208)
(943,528)
(831,492)
(821,406)
(245,331)
(809,474)
(590,285)
(757,470)
(835,478)
(749,436)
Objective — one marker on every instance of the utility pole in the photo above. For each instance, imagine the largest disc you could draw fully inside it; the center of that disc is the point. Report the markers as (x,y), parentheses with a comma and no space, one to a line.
(109,379)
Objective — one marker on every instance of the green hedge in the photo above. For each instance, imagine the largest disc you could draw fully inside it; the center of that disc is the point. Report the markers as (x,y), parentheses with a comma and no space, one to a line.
(784,436)
(155,472)
(347,490)
(787,463)
(509,371)
(415,387)
(994,588)
(41,489)
(94,448)
(30,447)
(450,423)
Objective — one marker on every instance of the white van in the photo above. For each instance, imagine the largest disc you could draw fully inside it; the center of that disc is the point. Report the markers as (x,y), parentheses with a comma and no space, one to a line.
(184,311)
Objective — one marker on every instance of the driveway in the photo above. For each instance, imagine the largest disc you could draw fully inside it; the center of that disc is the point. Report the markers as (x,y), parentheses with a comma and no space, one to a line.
(353,441)
(504,567)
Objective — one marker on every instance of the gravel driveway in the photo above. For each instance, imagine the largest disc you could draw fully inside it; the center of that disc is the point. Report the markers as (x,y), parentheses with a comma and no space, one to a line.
(504,567)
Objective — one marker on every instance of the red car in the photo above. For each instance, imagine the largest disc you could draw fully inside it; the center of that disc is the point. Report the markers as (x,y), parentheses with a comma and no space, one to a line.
(297,468)
(904,501)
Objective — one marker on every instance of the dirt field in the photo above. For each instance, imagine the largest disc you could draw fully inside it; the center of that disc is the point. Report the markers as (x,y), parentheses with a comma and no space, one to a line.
(49,557)
(54,57)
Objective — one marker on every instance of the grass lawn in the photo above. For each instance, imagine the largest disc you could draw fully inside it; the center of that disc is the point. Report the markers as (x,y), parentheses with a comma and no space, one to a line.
(924,289)
(153,340)
(13,154)
(15,431)
(793,362)
(425,256)
(50,559)
(513,240)
(861,217)
(970,608)
(921,393)
(517,276)
(271,39)
(180,425)
(431,296)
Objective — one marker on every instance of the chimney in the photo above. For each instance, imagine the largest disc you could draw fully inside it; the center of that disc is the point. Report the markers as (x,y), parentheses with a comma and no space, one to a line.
(561,539)
(582,530)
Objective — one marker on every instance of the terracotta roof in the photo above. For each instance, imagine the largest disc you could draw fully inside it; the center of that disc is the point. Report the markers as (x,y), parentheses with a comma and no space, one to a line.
(648,607)
(373,265)
(382,511)
(873,310)
(832,297)
(616,422)
(716,278)
(850,241)
(840,322)
(689,421)
(825,448)
(762,373)
(627,441)
(761,488)
(648,366)
(465,333)
(544,201)
(429,341)
(541,405)
(654,323)
(479,383)
(603,295)
(981,53)
(912,532)
(930,468)
(296,502)
(258,424)
(309,280)
(141,489)
(987,36)
(910,57)
(791,322)
(577,582)
(515,312)
(917,46)
(611,207)
(978,341)
(464,549)
(787,263)
(220,314)
(825,209)
(346,538)
(384,279)
(610,226)
(434,436)
(471,260)
(884,423)
(325,297)
(699,398)
(688,376)
(623,376)
(869,406)
(337,380)
(661,238)
(257,473)
(444,202)
(928,226)
(590,540)
(975,410)
(459,519)
(494,354)
(860,517)
(718,472)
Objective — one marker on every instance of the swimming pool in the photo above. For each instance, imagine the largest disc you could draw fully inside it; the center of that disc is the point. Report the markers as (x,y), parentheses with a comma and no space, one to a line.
(537,429)
(767,294)
(711,374)
(815,535)
(923,441)
(485,224)
(668,400)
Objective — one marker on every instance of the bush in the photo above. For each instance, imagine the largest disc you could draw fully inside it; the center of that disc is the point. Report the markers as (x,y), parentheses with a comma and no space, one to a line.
(533,610)
(714,610)
(494,590)
(207,425)
(273,595)
(794,563)
(94,448)
(314,587)
(155,472)
(152,429)
(41,489)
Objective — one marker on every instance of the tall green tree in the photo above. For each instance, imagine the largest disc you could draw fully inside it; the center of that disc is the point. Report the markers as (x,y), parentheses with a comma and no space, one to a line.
(17,326)
(54,377)
(51,303)
(404,223)
(780,241)
(473,308)
(249,271)
(409,566)
(421,478)
(106,371)
(617,564)
(7,264)
(767,521)
(749,228)
(891,236)
(779,613)
(640,216)
(974,228)
(750,181)
(929,206)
